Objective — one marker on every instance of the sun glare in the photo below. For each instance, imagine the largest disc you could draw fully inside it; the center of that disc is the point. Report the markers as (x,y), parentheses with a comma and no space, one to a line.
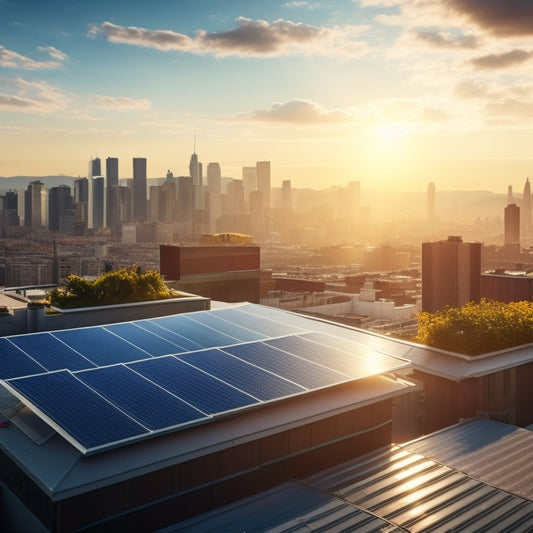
(391,130)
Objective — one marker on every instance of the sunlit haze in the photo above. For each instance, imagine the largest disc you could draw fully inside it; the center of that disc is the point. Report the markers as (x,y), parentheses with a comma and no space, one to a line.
(392,93)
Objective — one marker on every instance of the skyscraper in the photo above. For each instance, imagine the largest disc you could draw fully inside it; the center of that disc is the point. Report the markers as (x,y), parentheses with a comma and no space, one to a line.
(36,206)
(525,210)
(59,202)
(112,196)
(263,181)
(451,273)
(98,201)
(139,188)
(511,225)
(95,169)
(214,179)
(286,195)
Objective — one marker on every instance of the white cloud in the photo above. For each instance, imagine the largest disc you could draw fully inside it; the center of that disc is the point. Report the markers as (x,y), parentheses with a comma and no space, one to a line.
(12,59)
(250,38)
(298,112)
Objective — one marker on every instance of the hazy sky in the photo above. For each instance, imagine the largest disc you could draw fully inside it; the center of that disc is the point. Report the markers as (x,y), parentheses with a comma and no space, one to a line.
(394,93)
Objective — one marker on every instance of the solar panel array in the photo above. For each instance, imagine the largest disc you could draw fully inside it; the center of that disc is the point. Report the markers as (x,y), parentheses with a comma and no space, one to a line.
(105,386)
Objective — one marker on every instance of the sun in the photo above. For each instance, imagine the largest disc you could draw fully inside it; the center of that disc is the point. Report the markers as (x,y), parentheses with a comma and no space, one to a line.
(390,130)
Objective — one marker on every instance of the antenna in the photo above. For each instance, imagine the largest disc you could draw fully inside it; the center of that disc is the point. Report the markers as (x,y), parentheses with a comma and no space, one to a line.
(194,146)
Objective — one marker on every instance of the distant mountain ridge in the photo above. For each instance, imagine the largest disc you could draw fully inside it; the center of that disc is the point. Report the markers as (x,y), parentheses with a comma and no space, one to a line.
(22,182)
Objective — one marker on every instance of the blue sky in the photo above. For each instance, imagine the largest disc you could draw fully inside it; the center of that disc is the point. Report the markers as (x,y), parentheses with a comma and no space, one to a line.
(394,93)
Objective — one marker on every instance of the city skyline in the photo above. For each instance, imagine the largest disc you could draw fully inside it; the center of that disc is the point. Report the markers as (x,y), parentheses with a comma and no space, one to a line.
(393,93)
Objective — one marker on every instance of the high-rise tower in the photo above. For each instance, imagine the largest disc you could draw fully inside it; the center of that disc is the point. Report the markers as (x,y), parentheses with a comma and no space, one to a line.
(512,225)
(112,193)
(95,169)
(263,181)
(139,188)
(525,210)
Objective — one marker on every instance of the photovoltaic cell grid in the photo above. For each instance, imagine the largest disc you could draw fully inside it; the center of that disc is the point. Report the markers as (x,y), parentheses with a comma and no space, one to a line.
(105,386)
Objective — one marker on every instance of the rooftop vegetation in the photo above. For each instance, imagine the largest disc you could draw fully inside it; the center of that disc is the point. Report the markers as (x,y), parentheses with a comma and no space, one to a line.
(117,287)
(477,328)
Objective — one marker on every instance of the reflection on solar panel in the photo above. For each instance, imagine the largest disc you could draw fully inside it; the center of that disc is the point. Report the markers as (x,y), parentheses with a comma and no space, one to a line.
(105,386)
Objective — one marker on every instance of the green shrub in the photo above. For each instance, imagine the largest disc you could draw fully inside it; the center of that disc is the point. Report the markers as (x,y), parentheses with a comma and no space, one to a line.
(119,286)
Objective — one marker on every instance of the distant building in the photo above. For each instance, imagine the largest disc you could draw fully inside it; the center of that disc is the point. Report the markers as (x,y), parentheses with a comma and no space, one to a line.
(526,206)
(223,273)
(263,181)
(214,179)
(451,273)
(112,193)
(511,225)
(139,188)
(95,169)
(36,206)
(59,202)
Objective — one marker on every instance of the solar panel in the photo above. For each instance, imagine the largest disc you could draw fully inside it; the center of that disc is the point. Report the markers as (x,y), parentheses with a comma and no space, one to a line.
(104,386)
(182,344)
(201,390)
(251,379)
(266,326)
(100,346)
(144,401)
(77,411)
(205,336)
(14,362)
(237,331)
(295,369)
(150,343)
(51,352)
(323,354)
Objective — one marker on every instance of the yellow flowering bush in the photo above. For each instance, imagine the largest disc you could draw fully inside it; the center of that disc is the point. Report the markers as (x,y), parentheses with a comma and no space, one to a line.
(477,328)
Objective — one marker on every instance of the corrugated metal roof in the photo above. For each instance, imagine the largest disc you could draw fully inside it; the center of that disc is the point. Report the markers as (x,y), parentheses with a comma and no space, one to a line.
(495,453)
(289,508)
(426,485)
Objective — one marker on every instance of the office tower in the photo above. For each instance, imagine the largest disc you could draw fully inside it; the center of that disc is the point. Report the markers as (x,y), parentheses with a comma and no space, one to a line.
(451,273)
(139,188)
(525,210)
(194,170)
(95,169)
(59,202)
(98,201)
(185,199)
(112,207)
(431,202)
(214,179)
(81,193)
(257,219)
(36,207)
(512,225)
(249,183)
(263,181)
(167,202)
(286,195)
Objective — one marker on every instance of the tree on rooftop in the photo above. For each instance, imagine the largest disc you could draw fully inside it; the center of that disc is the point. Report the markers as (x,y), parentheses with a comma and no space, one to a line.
(477,328)
(119,286)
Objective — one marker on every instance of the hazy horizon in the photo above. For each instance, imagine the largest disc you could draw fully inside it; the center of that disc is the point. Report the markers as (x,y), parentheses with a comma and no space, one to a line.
(391,93)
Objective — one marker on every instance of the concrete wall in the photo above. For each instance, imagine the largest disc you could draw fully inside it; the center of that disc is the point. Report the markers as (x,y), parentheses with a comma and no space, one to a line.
(34,318)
